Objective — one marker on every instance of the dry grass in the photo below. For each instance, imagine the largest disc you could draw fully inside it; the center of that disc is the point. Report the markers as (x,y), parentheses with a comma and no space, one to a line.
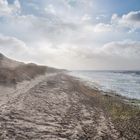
(10,76)
(125,116)
(12,71)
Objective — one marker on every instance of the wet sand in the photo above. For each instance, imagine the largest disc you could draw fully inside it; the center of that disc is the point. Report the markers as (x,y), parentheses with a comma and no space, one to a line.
(55,107)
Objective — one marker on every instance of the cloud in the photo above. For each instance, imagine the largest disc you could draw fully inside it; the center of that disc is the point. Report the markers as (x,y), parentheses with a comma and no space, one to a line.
(113,55)
(50,9)
(71,54)
(4,8)
(66,10)
(63,34)
(132,16)
(124,49)
(86,17)
(130,20)
(127,23)
(13,47)
(40,51)
(7,9)
(101,27)
(119,55)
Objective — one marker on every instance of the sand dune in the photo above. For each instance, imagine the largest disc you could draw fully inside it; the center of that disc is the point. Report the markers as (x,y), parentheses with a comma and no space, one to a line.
(12,71)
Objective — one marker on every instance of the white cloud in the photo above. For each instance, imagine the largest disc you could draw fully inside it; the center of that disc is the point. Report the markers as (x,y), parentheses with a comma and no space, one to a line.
(67,54)
(13,47)
(4,8)
(64,34)
(127,23)
(124,49)
(101,27)
(130,20)
(7,9)
(50,9)
(86,17)
(16,6)
(113,55)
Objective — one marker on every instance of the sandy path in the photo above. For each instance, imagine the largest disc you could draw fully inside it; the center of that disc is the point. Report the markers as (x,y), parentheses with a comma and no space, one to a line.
(55,109)
(10,93)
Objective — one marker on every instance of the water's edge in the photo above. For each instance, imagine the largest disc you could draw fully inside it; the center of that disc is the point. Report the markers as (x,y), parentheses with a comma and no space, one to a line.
(88,78)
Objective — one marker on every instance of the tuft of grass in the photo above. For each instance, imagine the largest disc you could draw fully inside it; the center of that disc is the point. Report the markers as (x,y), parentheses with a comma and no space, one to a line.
(125,116)
(118,108)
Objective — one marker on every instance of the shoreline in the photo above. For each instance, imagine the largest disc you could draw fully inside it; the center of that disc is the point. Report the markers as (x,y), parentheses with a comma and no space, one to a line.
(125,84)
(133,101)
(124,112)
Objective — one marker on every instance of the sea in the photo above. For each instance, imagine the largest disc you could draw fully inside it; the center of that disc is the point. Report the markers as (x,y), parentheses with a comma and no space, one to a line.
(124,83)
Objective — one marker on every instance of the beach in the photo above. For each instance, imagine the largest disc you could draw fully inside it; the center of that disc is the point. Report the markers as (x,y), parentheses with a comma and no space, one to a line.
(61,107)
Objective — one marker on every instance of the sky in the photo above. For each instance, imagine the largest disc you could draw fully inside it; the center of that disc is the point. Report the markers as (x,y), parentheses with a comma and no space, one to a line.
(72,34)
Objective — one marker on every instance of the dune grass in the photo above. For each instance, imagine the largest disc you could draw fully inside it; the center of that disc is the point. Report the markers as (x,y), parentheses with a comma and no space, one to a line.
(10,76)
(125,116)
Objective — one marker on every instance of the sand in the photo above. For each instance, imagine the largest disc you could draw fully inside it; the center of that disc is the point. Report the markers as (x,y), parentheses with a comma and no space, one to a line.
(54,107)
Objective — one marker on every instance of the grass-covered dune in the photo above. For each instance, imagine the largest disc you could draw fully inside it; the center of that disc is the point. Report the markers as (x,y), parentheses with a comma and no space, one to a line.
(12,71)
(20,73)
